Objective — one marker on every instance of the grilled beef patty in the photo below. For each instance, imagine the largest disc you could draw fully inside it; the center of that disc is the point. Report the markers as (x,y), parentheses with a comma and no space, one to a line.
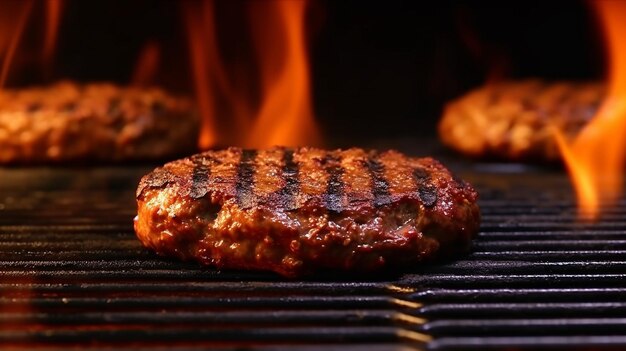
(295,211)
(511,120)
(93,122)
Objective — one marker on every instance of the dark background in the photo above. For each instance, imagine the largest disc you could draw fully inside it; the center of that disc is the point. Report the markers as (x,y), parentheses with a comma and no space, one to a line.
(379,68)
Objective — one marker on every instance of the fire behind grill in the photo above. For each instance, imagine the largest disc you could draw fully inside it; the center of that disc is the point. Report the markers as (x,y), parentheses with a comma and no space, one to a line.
(73,274)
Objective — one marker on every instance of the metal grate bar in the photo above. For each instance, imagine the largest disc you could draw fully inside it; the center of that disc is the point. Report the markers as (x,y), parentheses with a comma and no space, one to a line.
(613,342)
(197,302)
(161,335)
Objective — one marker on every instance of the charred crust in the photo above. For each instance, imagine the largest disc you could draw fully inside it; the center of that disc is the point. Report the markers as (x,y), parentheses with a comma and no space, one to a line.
(459,182)
(420,175)
(199,180)
(428,194)
(158,178)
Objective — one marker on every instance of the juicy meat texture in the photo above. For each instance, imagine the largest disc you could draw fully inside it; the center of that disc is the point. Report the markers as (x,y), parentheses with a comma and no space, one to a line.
(99,121)
(513,120)
(297,211)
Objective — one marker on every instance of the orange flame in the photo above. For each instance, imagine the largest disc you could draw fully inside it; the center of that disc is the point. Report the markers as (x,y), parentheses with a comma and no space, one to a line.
(53,19)
(147,64)
(595,158)
(284,114)
(8,52)
(201,32)
(14,15)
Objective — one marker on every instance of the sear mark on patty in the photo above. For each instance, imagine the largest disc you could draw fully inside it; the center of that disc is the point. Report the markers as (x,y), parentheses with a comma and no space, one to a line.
(245,179)
(335,188)
(291,172)
(380,186)
(427,192)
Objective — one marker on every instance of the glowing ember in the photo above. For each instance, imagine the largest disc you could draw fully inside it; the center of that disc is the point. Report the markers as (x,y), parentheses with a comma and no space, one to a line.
(147,65)
(284,115)
(595,159)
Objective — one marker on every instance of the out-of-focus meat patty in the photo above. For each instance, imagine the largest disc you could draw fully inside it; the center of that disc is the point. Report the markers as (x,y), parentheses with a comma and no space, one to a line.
(512,120)
(103,122)
(295,211)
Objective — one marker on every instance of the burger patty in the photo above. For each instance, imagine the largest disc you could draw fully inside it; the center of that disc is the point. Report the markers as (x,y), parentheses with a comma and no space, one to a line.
(69,122)
(296,211)
(512,120)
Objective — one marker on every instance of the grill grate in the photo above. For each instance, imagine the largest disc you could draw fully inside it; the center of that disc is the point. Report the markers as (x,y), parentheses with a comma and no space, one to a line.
(73,274)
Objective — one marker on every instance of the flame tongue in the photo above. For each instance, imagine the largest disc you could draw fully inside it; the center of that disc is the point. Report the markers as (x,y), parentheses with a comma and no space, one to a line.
(8,52)
(595,159)
(202,46)
(284,115)
(53,19)
(14,16)
(147,65)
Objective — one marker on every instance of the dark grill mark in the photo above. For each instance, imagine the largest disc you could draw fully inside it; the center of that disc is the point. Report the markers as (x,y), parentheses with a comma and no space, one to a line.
(380,186)
(335,187)
(199,179)
(245,179)
(425,190)
(291,173)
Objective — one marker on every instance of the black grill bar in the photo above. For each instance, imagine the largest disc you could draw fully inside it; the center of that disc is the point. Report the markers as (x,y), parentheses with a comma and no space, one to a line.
(537,295)
(72,274)
(225,319)
(479,311)
(612,342)
(182,287)
(553,235)
(196,303)
(528,327)
(155,268)
(296,335)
